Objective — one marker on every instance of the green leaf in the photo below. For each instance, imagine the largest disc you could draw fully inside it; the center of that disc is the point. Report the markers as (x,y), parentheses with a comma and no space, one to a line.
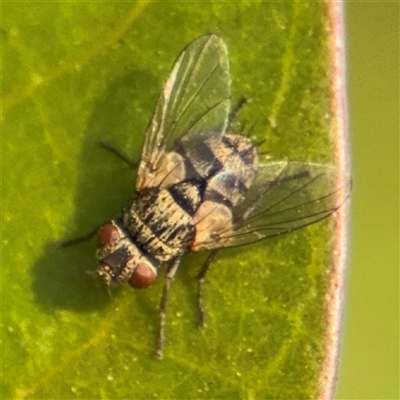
(77,72)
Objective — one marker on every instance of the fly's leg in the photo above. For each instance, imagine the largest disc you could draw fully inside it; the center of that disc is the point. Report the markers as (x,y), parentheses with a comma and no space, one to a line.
(119,153)
(122,156)
(169,277)
(200,283)
(66,243)
(233,115)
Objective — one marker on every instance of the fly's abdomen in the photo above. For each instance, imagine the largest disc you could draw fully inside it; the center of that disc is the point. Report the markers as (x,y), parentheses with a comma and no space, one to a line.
(226,187)
(229,165)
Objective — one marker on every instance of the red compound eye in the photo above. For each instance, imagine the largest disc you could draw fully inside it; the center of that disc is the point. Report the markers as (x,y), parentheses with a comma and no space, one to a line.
(107,233)
(143,276)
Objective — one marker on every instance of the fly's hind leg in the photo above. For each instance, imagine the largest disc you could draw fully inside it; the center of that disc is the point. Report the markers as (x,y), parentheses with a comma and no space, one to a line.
(169,277)
(119,153)
(233,115)
(200,284)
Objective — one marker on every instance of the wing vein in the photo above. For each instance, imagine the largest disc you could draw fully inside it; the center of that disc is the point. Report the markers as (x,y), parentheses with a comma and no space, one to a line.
(190,102)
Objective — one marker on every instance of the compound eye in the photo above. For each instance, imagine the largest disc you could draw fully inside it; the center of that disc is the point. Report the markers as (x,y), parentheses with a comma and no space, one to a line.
(142,277)
(107,233)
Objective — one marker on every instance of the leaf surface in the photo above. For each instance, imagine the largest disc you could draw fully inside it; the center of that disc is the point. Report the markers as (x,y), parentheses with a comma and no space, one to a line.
(75,73)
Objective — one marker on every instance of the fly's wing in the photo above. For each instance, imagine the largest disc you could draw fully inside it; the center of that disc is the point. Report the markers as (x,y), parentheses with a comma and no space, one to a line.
(285,196)
(192,107)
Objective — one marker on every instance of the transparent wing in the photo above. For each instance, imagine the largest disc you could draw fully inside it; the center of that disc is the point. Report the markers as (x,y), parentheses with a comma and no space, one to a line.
(285,196)
(193,105)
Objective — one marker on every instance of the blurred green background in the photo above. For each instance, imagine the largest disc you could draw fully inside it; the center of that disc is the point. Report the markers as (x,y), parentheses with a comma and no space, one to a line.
(369,367)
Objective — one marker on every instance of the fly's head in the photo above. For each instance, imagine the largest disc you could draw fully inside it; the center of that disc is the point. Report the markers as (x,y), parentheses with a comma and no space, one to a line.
(120,259)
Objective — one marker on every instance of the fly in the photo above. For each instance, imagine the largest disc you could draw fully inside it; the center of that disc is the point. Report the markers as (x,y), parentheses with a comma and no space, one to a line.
(202,187)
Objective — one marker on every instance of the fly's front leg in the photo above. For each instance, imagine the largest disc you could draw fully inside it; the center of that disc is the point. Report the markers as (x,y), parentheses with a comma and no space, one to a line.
(169,277)
(66,243)
(122,156)
(200,283)
(119,153)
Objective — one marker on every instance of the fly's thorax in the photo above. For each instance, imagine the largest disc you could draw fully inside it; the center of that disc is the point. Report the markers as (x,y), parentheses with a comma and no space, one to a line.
(161,220)
(121,260)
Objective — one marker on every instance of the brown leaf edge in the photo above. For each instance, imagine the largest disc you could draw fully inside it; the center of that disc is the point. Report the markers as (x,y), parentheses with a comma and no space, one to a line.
(339,133)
